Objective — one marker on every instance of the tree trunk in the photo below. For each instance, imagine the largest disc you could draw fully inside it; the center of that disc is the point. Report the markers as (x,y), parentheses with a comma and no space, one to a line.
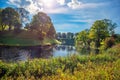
(10,27)
(97,45)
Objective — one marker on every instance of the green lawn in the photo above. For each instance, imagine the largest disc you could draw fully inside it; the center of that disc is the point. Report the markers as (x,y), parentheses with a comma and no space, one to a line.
(26,42)
(19,42)
(24,39)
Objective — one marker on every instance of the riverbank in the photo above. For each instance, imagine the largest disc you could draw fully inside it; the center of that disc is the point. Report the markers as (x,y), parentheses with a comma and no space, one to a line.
(93,67)
(26,42)
(24,38)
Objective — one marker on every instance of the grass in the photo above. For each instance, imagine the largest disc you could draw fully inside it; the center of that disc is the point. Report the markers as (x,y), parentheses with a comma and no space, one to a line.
(19,42)
(11,41)
(48,41)
(24,38)
(75,67)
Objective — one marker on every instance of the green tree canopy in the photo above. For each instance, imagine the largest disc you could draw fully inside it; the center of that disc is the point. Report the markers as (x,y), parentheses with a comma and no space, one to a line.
(100,30)
(24,15)
(11,18)
(82,38)
(111,26)
(42,24)
(70,35)
(1,24)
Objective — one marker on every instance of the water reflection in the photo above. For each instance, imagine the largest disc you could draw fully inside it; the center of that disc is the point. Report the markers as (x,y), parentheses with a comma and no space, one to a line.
(63,50)
(13,54)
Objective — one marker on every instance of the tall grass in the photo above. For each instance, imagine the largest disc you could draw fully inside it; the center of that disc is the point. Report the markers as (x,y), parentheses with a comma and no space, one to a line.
(75,67)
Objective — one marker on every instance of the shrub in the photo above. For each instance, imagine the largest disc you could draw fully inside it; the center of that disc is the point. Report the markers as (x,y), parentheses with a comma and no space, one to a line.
(74,67)
(109,42)
(115,50)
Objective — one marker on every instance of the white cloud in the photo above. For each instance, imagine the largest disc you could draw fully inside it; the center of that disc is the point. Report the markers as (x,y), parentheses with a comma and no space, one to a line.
(66,27)
(56,10)
(51,6)
(92,5)
(61,2)
(33,6)
(83,20)
(71,27)
(75,4)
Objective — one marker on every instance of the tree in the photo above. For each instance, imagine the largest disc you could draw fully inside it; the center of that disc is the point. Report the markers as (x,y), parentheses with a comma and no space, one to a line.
(1,24)
(70,35)
(117,38)
(82,38)
(100,30)
(63,35)
(27,26)
(109,42)
(58,35)
(111,26)
(10,17)
(41,23)
(24,15)
(51,33)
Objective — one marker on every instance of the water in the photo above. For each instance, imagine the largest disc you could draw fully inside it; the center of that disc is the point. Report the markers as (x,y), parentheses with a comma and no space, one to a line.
(63,50)
(13,54)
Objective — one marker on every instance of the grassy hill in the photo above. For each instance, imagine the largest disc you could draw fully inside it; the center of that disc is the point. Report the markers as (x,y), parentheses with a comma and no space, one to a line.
(24,38)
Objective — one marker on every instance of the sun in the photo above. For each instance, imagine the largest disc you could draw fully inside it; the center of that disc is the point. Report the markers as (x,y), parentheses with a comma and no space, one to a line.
(48,3)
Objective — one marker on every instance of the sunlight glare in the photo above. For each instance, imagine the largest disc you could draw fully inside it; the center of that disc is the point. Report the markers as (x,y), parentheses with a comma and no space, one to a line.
(48,3)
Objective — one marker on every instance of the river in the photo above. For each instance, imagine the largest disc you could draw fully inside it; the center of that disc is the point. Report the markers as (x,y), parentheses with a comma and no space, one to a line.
(13,54)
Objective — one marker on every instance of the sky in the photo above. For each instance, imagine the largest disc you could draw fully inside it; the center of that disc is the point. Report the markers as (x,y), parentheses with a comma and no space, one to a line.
(71,15)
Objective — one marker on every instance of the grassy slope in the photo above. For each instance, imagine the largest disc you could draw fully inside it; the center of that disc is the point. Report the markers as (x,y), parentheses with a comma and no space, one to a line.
(94,67)
(23,39)
(19,42)
(48,41)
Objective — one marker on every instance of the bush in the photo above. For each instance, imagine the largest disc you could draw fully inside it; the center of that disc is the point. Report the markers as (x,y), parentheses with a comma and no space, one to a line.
(75,67)
(109,42)
(114,51)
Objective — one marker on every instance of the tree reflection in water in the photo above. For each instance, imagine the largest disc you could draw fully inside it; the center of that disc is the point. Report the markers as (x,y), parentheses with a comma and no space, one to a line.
(63,50)
(13,54)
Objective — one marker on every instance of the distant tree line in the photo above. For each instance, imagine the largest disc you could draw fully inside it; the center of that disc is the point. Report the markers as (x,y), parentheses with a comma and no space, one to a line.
(65,35)
(67,38)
